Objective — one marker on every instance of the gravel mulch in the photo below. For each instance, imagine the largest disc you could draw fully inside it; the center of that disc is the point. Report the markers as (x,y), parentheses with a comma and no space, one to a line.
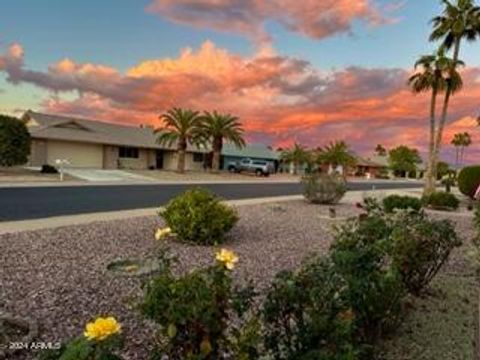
(59,276)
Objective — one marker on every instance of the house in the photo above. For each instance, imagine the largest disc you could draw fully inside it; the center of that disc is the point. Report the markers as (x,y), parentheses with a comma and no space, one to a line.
(95,144)
(375,166)
(230,153)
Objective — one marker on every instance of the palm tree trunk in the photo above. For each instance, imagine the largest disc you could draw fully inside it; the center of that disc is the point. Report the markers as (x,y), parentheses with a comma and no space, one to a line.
(456,157)
(181,149)
(429,176)
(443,118)
(217,145)
(462,152)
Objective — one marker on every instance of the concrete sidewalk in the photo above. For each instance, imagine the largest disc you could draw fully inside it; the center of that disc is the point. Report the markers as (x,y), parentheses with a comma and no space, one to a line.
(352,197)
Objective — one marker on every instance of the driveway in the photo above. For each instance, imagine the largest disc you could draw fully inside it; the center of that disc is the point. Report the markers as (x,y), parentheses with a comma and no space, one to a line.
(100,175)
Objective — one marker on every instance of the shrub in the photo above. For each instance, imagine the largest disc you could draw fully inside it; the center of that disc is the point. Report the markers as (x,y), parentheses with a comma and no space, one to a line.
(198,216)
(469,180)
(375,289)
(195,311)
(48,169)
(397,202)
(14,141)
(420,247)
(323,189)
(441,200)
(306,315)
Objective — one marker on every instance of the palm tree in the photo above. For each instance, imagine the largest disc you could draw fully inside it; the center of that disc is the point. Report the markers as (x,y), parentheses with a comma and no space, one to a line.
(296,155)
(457,143)
(380,150)
(335,154)
(458,21)
(180,126)
(466,142)
(432,77)
(217,128)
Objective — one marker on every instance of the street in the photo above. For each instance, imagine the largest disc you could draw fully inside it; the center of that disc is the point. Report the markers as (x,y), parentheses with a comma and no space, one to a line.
(22,203)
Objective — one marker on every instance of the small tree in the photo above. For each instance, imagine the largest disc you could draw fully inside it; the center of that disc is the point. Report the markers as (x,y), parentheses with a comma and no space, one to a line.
(336,154)
(403,159)
(14,141)
(296,155)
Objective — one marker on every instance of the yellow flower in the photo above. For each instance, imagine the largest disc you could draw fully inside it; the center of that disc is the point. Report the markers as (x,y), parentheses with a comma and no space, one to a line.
(162,233)
(101,328)
(228,258)
(131,268)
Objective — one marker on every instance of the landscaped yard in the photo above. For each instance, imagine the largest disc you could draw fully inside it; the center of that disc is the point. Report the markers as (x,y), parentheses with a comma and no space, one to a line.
(60,278)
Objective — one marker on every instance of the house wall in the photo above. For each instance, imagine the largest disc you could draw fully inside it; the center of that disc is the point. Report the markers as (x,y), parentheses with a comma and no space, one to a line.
(170,161)
(38,153)
(110,157)
(141,163)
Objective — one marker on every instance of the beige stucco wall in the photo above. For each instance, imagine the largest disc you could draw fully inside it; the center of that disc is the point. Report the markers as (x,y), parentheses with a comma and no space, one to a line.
(38,153)
(170,161)
(78,154)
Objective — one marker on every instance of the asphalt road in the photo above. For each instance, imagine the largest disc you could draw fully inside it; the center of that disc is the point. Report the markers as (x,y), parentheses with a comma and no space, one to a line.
(22,203)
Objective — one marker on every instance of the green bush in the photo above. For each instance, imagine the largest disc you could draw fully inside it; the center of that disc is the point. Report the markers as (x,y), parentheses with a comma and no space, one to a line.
(306,315)
(397,202)
(323,189)
(441,200)
(196,311)
(375,289)
(469,180)
(197,216)
(14,141)
(420,247)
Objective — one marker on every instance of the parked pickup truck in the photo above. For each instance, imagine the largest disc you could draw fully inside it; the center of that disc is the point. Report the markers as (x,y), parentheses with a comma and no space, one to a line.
(257,167)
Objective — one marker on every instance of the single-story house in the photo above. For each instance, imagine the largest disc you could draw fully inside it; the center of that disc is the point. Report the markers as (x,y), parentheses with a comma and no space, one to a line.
(96,144)
(375,166)
(231,153)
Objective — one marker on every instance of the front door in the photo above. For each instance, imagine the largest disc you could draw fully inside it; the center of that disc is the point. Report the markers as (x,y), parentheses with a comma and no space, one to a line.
(159,159)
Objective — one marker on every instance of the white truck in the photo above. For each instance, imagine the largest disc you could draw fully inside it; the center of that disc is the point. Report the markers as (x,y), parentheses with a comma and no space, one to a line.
(247,165)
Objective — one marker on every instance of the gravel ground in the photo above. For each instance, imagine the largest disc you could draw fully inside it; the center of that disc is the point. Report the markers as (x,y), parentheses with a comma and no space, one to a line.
(59,276)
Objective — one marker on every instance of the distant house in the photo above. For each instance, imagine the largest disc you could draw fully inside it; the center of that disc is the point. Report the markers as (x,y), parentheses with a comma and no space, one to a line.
(375,166)
(96,144)
(231,153)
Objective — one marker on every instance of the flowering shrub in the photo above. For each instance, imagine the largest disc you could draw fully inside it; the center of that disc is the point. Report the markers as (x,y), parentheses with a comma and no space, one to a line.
(196,311)
(419,248)
(99,341)
(323,189)
(198,216)
(306,314)
(374,287)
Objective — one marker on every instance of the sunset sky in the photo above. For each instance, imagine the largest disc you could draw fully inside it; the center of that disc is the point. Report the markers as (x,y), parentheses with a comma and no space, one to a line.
(309,71)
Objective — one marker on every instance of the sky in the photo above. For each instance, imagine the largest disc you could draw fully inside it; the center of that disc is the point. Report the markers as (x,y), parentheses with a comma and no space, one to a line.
(310,71)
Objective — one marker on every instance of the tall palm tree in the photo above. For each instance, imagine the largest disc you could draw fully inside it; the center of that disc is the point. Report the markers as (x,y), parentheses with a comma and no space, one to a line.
(466,142)
(296,155)
(180,126)
(457,143)
(217,128)
(433,76)
(458,21)
(335,154)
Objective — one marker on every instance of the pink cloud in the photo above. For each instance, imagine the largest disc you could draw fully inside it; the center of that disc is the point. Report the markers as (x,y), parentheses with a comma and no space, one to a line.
(312,18)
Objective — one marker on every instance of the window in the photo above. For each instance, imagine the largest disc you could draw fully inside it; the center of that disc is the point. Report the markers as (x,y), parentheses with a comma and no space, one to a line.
(128,152)
(197,157)
(260,163)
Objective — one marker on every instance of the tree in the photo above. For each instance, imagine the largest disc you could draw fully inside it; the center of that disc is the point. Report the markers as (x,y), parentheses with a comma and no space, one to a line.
(296,155)
(443,169)
(432,77)
(335,154)
(466,142)
(403,160)
(217,128)
(15,141)
(380,150)
(458,21)
(460,141)
(180,126)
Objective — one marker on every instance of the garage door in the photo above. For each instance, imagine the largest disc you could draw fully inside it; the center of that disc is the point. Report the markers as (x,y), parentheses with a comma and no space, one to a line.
(78,154)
